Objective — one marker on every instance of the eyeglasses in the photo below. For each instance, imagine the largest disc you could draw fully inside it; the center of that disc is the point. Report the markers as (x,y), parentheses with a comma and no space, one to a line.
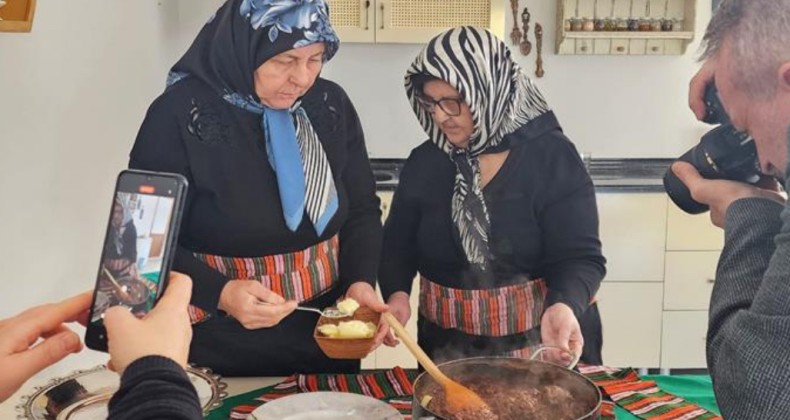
(450,106)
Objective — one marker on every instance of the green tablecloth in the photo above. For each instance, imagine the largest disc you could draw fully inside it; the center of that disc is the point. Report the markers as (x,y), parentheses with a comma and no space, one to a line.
(694,388)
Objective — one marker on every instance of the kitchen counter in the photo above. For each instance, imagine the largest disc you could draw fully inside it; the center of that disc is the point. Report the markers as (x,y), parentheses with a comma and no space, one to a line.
(609,175)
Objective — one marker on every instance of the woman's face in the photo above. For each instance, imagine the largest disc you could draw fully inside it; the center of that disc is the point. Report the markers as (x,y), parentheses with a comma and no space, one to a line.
(284,78)
(449,111)
(117,214)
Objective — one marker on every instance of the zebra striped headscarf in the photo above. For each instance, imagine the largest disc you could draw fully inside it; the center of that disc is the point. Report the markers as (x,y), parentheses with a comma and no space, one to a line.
(501,98)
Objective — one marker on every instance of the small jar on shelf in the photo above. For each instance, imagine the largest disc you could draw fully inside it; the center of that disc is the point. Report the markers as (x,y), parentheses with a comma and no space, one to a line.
(600,24)
(588,25)
(576,24)
(644,25)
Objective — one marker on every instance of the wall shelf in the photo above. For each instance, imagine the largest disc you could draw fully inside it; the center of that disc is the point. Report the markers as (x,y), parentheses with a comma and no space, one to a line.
(571,40)
(17,16)
(630,35)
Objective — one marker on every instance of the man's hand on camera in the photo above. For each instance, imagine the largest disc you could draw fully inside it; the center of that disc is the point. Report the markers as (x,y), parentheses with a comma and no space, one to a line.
(697,88)
(719,194)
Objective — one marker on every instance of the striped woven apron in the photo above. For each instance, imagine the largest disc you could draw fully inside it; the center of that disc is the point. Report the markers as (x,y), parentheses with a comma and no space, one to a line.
(497,312)
(299,276)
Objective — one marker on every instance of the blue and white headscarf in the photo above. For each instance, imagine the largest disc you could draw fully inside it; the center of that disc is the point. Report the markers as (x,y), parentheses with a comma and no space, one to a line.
(239,38)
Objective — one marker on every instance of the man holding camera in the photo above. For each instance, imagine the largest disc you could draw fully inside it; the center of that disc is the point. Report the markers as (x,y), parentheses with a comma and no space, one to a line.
(748,56)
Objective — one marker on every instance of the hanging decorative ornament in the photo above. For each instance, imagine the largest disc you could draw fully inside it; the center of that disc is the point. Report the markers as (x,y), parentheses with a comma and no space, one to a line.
(525,46)
(539,45)
(515,34)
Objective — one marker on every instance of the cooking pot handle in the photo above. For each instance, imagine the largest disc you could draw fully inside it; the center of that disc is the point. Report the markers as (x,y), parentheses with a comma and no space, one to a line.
(574,359)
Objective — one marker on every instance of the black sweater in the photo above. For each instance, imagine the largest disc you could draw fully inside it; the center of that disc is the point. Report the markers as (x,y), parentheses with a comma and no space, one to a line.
(233,209)
(155,387)
(544,223)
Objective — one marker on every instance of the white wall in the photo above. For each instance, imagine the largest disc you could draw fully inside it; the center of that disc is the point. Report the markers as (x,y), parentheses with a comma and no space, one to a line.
(72,95)
(610,106)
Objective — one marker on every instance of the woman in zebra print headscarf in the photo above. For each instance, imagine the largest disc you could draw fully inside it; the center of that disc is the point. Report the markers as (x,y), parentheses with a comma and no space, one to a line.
(495,211)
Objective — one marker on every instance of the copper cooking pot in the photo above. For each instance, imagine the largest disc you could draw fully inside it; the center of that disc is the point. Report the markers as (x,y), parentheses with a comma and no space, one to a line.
(514,388)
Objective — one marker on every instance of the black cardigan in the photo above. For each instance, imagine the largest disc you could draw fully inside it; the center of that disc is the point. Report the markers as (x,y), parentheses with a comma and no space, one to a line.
(544,221)
(233,209)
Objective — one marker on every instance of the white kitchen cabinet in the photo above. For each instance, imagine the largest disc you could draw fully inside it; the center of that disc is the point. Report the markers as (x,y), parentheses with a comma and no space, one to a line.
(683,339)
(633,235)
(631,314)
(693,249)
(387,357)
(689,280)
(354,20)
(687,232)
(411,21)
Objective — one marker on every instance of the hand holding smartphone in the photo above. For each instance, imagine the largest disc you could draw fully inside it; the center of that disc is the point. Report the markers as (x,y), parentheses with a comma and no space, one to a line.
(138,247)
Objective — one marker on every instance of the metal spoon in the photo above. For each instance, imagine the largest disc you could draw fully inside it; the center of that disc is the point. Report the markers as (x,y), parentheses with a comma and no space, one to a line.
(331,312)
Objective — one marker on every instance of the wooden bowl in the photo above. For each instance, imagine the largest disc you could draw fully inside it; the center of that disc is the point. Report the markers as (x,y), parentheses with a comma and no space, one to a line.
(347,348)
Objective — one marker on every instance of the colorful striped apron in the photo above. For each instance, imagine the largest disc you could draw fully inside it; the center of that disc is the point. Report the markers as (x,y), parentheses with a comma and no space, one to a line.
(300,275)
(497,312)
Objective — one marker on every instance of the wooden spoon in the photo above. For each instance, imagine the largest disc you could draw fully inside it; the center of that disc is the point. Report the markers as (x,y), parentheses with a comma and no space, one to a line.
(459,398)
(124,295)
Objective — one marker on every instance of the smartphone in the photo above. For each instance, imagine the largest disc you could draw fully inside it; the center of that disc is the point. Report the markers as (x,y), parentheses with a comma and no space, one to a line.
(138,247)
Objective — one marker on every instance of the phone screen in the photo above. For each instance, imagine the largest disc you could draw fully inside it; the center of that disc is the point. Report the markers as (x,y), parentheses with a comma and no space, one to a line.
(135,256)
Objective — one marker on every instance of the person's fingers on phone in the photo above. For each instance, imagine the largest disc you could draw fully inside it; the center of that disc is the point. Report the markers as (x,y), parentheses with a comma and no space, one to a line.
(83,318)
(37,321)
(111,366)
(118,320)
(46,353)
(55,331)
(177,294)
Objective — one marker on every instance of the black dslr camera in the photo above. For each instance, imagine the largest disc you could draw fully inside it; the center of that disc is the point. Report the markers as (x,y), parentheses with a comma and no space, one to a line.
(722,153)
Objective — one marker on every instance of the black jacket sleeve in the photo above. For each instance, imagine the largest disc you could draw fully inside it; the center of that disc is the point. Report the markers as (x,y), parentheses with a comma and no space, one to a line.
(155,387)
(573,263)
(360,236)
(159,147)
(399,258)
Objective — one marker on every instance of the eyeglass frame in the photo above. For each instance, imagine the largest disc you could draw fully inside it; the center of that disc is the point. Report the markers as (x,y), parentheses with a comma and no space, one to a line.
(429,104)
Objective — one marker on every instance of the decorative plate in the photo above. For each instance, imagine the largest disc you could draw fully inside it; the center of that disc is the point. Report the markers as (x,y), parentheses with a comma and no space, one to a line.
(326,406)
(84,394)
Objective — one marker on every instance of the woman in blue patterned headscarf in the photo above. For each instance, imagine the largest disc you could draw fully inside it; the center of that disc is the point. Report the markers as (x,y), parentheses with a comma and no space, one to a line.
(281,191)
